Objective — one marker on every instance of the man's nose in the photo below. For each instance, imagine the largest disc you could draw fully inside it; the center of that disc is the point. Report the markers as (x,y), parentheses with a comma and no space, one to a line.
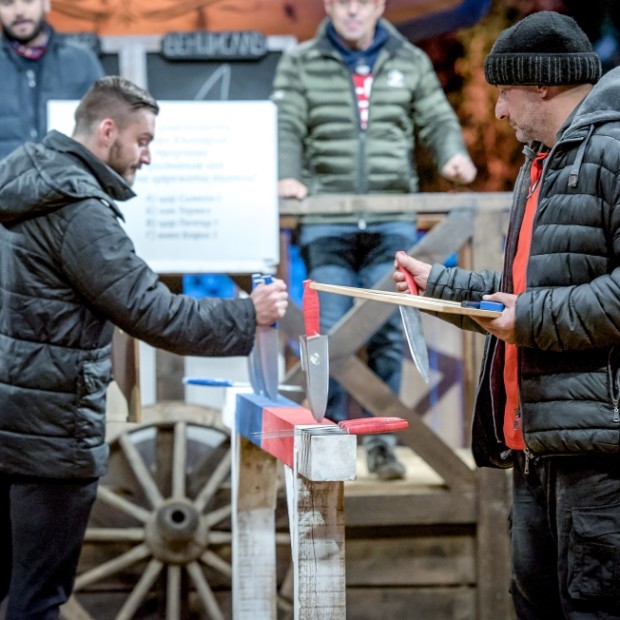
(501,111)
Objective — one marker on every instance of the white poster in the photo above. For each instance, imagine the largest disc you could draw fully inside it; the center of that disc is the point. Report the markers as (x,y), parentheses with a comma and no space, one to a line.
(208,201)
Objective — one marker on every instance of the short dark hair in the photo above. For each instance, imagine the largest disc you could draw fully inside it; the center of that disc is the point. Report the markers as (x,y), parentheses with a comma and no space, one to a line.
(112,97)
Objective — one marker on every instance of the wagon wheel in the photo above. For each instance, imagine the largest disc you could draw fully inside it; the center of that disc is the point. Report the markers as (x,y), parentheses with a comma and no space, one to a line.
(163,513)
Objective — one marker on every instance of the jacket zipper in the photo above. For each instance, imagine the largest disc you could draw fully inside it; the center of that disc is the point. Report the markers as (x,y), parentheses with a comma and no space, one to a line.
(528,458)
(614,386)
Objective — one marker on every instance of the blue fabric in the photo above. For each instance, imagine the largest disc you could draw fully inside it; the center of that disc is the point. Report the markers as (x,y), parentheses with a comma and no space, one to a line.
(355,58)
(345,255)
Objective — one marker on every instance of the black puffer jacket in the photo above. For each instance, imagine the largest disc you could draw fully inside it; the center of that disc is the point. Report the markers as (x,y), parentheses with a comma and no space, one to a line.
(68,272)
(568,320)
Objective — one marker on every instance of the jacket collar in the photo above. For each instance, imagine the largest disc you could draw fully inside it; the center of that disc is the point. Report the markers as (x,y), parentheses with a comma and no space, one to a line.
(111,182)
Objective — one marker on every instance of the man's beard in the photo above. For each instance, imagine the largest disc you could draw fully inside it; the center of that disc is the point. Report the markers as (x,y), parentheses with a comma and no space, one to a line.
(39,28)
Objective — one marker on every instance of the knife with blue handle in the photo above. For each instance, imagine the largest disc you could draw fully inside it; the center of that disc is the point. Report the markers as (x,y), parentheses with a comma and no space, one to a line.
(263,361)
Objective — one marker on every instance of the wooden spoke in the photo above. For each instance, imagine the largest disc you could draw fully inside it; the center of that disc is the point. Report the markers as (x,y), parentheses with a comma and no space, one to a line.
(112,566)
(114,534)
(142,588)
(215,561)
(173,593)
(218,515)
(141,472)
(222,471)
(205,594)
(112,499)
(179,460)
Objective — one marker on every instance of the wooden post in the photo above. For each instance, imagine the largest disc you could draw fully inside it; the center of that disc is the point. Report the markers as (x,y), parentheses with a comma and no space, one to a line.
(254,497)
(317,459)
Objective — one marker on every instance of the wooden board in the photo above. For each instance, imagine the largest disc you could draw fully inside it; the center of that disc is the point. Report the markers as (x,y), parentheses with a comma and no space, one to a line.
(405,299)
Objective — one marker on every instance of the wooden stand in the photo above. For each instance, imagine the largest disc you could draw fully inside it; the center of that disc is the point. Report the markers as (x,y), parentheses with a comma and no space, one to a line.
(317,460)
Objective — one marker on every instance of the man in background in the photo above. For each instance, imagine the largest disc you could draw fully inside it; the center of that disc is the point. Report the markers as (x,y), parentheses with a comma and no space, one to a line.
(547,402)
(351,103)
(36,65)
(68,274)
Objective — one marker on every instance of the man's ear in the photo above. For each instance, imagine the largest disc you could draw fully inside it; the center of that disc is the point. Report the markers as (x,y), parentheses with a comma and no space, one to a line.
(543,92)
(107,132)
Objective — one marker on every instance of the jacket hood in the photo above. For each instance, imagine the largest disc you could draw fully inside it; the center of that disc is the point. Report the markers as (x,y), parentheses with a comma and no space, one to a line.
(39,178)
(601,104)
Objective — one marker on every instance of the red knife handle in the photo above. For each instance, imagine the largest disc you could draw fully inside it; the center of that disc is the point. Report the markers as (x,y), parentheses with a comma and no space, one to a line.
(413,287)
(368,426)
(310,309)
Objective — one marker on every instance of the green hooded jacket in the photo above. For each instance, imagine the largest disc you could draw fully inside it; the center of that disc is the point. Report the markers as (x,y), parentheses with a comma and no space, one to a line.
(321,141)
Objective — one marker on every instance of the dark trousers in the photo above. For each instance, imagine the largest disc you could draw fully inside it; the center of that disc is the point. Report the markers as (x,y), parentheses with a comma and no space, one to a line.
(42,525)
(565,532)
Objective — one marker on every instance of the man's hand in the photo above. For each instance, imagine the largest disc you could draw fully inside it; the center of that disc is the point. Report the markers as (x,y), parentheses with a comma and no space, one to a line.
(459,169)
(503,326)
(416,267)
(292,188)
(270,301)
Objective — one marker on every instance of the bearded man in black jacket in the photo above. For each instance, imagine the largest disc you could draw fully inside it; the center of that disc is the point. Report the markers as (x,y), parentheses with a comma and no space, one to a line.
(68,274)
(547,402)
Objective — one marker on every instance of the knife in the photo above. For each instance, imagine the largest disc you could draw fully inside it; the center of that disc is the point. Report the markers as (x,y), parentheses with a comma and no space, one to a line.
(218,382)
(263,360)
(314,354)
(412,324)
(357,426)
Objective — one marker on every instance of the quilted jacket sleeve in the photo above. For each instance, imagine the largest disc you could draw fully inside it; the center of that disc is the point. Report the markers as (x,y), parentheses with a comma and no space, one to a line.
(459,284)
(292,116)
(99,259)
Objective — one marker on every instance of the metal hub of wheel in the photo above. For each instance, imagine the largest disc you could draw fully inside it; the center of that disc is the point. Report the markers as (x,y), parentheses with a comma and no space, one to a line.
(160,528)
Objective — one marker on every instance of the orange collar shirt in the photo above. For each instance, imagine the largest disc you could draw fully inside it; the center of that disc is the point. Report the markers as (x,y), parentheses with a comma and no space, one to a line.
(512,417)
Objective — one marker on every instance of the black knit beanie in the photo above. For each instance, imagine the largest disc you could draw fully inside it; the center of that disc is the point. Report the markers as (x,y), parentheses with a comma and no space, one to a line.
(545,49)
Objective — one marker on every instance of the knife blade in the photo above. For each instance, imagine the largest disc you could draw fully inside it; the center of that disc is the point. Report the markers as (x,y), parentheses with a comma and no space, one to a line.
(263,361)
(414,332)
(314,355)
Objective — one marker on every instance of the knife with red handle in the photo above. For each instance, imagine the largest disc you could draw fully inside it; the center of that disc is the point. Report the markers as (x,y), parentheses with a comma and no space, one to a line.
(368,426)
(412,324)
(314,354)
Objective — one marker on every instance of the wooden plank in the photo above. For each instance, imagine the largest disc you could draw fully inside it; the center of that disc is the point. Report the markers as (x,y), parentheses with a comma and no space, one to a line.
(420,203)
(413,603)
(439,306)
(412,560)
(493,562)
(254,475)
(421,508)
(316,517)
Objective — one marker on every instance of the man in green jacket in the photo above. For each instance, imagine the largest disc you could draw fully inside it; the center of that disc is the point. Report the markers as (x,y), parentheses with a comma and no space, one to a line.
(351,103)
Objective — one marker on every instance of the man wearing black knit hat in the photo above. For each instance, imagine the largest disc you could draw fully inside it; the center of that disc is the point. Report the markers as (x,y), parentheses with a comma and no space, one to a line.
(548,400)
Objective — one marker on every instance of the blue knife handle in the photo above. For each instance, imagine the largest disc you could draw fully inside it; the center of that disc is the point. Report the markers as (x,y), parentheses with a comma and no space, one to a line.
(484,305)
(208,381)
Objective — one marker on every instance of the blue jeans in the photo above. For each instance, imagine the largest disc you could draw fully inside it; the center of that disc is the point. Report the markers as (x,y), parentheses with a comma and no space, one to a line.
(345,255)
(42,525)
(565,533)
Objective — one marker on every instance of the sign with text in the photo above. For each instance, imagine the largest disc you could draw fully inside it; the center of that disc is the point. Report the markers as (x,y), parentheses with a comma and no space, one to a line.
(208,201)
